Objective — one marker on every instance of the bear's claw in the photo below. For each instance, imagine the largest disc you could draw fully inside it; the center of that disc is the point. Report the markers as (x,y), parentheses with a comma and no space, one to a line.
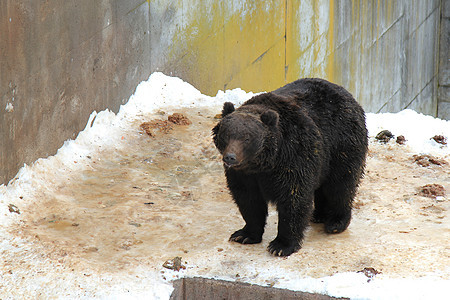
(278,248)
(243,237)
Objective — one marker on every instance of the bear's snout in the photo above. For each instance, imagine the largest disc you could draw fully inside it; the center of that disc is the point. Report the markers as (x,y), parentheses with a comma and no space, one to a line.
(232,155)
(230,158)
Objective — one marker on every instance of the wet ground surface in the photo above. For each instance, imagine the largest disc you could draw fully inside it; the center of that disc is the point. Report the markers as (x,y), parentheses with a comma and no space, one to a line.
(150,199)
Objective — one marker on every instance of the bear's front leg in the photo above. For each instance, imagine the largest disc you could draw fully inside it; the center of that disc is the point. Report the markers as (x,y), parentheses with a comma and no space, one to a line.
(254,212)
(294,214)
(252,206)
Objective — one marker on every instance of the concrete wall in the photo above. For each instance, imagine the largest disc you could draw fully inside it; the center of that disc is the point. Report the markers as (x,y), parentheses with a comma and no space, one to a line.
(444,63)
(60,60)
(384,52)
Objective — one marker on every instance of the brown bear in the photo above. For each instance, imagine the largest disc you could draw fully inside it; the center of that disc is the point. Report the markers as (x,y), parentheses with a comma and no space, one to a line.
(302,147)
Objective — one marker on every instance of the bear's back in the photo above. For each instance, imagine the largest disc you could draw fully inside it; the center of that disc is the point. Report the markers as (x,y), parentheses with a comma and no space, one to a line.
(325,102)
(317,92)
(332,108)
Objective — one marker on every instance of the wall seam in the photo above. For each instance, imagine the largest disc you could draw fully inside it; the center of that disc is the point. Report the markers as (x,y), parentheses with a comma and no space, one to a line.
(389,100)
(424,20)
(387,29)
(420,92)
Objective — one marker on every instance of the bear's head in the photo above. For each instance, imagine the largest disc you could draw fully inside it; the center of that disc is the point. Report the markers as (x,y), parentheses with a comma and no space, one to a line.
(246,137)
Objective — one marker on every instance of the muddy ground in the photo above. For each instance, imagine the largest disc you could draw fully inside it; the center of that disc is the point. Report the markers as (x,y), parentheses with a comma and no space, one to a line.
(127,210)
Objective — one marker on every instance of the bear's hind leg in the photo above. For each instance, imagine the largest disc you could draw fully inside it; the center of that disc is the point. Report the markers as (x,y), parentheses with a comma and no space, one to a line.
(319,215)
(338,208)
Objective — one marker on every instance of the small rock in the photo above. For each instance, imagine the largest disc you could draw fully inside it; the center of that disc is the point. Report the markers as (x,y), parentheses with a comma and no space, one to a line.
(156,125)
(440,139)
(432,190)
(13,209)
(90,249)
(134,224)
(384,136)
(179,119)
(186,194)
(440,199)
(401,140)
(426,160)
(369,272)
(174,264)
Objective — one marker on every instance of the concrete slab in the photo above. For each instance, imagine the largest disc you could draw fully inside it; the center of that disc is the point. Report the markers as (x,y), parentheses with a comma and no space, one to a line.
(202,288)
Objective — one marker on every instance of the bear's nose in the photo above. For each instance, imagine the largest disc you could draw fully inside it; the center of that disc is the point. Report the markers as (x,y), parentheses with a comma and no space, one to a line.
(230,158)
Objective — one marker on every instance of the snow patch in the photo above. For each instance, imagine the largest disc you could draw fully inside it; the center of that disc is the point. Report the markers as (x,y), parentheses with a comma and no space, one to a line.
(418,129)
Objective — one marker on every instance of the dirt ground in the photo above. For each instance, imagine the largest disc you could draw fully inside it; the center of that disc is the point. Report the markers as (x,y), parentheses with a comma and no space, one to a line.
(132,208)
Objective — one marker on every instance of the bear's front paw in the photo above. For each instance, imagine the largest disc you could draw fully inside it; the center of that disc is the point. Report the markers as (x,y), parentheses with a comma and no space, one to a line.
(243,237)
(278,247)
(336,226)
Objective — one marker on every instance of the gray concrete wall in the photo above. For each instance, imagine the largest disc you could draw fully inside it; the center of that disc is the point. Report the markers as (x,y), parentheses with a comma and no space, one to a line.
(60,60)
(387,53)
(444,62)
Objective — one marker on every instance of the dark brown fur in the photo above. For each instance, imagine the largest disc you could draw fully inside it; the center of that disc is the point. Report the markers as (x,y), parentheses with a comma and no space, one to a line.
(301,147)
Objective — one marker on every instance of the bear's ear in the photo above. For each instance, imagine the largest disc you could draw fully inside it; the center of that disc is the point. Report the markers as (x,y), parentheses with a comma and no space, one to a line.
(270,118)
(215,131)
(228,108)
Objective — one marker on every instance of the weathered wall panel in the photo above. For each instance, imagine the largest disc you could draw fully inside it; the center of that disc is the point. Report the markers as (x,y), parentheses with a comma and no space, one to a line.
(444,62)
(384,52)
(61,60)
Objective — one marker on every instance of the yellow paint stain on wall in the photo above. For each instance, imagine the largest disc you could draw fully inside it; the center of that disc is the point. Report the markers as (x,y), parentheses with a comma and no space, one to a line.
(218,49)
(197,48)
(265,73)
(320,42)
(259,45)
(310,39)
(330,68)
(354,44)
(298,39)
(262,45)
(254,47)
